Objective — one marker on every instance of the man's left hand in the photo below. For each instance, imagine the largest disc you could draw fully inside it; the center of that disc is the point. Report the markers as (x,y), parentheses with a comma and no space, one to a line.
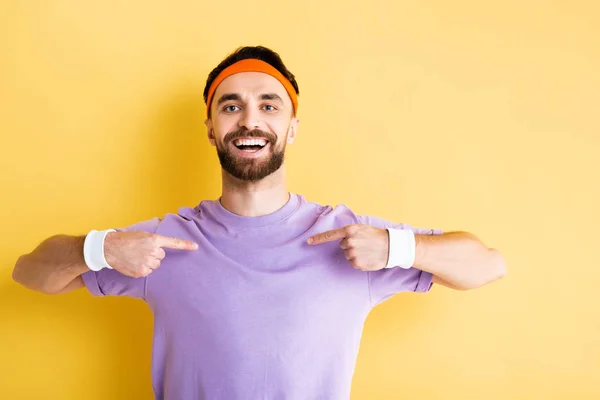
(365,247)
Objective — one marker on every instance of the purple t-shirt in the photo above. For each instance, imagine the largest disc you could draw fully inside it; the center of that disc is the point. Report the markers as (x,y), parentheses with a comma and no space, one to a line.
(255,312)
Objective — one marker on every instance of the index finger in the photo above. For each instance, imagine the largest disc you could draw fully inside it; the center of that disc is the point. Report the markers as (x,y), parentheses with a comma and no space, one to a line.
(328,236)
(175,243)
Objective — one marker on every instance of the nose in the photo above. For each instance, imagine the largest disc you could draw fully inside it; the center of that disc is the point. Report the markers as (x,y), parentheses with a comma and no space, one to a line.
(250,118)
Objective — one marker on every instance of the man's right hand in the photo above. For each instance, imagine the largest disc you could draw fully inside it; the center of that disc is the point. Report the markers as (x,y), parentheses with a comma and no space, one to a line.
(138,253)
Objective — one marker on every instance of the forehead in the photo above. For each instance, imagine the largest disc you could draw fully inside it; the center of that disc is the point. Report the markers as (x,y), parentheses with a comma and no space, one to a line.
(251,84)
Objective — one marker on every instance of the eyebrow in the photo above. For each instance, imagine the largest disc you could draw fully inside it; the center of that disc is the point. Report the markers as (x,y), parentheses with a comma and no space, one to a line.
(228,96)
(271,96)
(237,97)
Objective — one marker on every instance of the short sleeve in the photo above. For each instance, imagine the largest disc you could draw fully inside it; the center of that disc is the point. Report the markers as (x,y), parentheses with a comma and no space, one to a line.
(108,282)
(385,283)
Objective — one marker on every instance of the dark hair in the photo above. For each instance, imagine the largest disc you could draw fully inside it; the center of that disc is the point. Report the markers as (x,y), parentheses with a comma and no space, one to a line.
(257,52)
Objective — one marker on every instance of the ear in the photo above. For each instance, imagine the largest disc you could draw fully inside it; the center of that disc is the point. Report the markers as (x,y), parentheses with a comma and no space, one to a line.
(293,129)
(210,131)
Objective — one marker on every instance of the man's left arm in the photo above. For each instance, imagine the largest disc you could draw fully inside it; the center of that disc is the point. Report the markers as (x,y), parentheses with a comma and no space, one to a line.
(458,260)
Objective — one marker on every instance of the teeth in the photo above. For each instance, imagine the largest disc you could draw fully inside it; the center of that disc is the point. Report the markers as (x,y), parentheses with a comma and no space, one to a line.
(250,142)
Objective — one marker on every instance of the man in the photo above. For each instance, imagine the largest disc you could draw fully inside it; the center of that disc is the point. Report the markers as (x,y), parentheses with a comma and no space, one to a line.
(260,294)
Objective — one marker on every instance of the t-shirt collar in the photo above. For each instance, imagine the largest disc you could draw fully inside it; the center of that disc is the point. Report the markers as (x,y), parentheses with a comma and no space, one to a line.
(228,218)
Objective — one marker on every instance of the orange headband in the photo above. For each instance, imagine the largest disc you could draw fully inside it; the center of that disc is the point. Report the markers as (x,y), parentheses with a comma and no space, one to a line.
(252,65)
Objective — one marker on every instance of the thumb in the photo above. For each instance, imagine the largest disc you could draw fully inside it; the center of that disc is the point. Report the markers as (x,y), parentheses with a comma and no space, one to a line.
(175,243)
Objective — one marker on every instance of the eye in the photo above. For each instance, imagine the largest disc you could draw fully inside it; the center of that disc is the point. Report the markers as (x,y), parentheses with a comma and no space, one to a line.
(269,107)
(230,108)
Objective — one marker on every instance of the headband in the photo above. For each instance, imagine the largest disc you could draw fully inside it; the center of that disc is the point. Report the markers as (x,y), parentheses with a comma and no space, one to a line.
(252,65)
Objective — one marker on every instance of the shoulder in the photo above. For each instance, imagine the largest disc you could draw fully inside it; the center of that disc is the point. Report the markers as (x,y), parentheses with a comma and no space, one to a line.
(344,215)
(340,213)
(184,215)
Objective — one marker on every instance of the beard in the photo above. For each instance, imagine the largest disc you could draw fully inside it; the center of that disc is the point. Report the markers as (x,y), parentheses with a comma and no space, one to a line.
(251,169)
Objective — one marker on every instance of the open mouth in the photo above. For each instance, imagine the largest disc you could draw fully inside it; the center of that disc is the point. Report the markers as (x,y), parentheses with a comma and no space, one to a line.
(250,145)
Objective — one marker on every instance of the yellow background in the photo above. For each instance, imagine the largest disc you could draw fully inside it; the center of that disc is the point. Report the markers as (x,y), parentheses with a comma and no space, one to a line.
(459,115)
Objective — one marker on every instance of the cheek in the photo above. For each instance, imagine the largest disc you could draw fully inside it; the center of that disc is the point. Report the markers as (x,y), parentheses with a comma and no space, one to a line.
(279,127)
(222,128)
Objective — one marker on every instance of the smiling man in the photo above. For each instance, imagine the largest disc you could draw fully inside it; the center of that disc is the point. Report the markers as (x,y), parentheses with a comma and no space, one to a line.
(260,294)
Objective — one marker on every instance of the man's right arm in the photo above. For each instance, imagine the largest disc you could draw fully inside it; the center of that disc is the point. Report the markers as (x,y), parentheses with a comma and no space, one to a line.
(57,264)
(54,267)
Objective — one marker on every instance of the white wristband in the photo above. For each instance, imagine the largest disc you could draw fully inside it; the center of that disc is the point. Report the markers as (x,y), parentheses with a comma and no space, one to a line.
(93,250)
(402,248)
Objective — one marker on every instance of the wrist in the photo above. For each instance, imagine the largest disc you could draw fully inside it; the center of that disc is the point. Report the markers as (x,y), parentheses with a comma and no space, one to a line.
(93,250)
(402,248)
(109,247)
(420,249)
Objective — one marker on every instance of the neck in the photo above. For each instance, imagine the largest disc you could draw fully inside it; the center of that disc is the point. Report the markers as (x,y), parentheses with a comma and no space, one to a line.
(253,199)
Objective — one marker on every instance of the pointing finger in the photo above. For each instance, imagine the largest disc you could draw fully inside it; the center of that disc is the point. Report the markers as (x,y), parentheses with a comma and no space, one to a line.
(175,243)
(328,236)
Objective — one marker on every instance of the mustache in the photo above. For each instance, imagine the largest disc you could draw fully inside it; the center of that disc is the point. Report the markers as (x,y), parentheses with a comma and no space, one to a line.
(244,132)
